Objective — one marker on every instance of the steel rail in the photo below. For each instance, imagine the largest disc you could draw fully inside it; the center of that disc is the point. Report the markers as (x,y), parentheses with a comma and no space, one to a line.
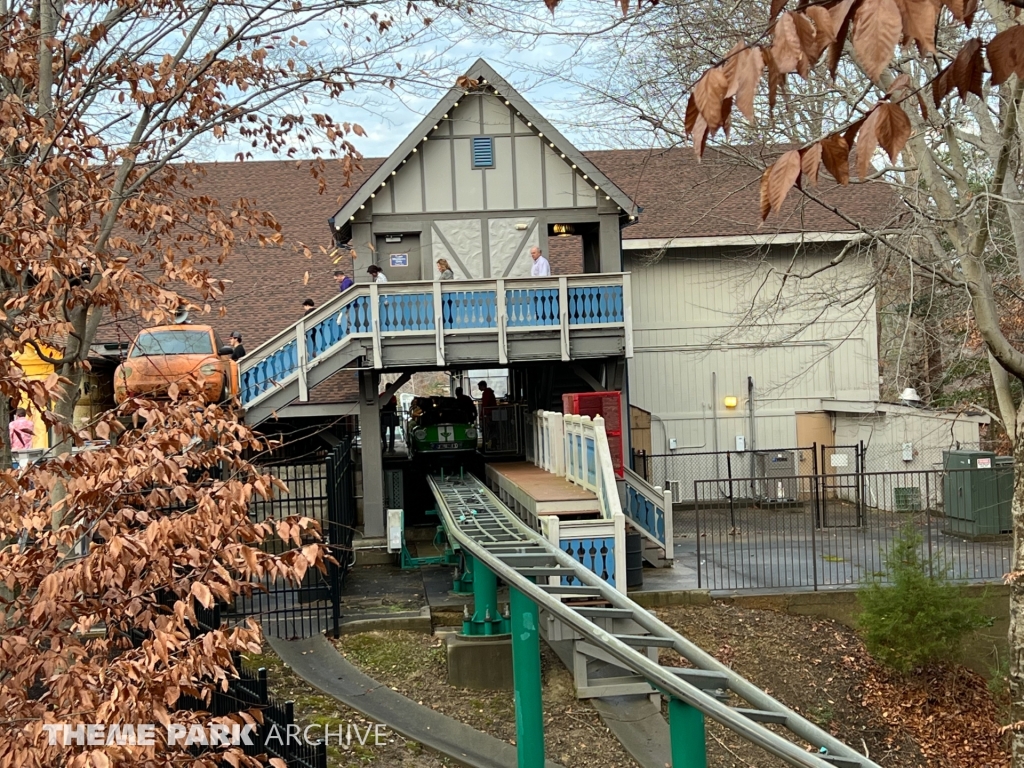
(488,530)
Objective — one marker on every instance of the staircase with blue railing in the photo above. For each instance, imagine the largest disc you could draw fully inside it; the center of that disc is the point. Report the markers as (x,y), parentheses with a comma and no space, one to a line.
(421,324)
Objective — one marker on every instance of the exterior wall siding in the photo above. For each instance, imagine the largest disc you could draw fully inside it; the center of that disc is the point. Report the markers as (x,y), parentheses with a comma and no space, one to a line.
(527,172)
(705,320)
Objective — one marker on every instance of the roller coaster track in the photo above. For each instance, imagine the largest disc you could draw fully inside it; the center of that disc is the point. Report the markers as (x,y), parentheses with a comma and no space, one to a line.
(483,527)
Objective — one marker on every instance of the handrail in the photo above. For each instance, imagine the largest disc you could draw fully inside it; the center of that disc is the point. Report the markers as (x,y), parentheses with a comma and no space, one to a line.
(639,662)
(649,508)
(565,304)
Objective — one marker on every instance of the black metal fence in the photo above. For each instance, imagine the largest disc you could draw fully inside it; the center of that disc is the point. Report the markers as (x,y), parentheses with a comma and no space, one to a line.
(276,735)
(325,492)
(831,529)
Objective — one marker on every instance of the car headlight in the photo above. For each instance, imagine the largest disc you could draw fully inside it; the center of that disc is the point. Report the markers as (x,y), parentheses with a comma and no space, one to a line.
(125,373)
(208,370)
(470,433)
(420,434)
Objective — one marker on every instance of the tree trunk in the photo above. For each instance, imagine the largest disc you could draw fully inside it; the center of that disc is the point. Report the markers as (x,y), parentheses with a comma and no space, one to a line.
(1016,632)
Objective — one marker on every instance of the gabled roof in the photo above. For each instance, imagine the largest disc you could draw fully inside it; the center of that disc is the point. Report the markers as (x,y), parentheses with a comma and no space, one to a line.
(488,81)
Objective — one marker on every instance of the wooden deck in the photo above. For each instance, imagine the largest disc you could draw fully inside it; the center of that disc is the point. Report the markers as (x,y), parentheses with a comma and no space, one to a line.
(536,492)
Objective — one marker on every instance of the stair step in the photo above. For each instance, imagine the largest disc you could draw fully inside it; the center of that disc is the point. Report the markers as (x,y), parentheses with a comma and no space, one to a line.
(516,559)
(700,678)
(762,716)
(646,641)
(560,589)
(605,613)
(545,571)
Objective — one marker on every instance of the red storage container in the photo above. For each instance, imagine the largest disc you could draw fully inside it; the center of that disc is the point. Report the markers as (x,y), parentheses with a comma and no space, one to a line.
(607,405)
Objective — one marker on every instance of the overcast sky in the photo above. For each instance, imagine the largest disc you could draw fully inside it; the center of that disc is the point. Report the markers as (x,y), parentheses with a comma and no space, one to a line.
(389,116)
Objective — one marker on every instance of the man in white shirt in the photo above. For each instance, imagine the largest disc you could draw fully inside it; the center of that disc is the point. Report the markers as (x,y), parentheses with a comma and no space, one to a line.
(377,274)
(540,268)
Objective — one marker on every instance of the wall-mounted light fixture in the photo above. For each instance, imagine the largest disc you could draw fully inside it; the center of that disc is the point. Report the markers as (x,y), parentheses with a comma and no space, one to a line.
(563,230)
(731,401)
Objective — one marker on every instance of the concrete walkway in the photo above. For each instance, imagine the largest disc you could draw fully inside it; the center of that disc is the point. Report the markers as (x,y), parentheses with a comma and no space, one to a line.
(318,662)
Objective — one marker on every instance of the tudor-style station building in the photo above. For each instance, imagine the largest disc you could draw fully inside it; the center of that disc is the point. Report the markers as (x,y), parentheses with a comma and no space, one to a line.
(665,286)
(482,181)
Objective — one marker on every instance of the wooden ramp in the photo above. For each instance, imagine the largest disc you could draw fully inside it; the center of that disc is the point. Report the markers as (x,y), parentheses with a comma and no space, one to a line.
(531,492)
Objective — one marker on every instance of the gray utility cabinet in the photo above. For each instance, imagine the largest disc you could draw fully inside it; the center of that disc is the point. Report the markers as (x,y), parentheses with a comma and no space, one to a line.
(977,489)
(775,475)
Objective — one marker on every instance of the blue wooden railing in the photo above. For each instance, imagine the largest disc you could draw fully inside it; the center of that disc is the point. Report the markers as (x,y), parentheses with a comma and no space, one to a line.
(649,508)
(521,305)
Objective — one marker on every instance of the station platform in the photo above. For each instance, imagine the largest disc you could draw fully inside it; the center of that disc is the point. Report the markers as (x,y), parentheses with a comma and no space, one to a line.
(531,492)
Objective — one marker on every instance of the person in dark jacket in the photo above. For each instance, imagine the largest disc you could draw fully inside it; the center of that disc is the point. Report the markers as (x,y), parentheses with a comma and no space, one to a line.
(235,340)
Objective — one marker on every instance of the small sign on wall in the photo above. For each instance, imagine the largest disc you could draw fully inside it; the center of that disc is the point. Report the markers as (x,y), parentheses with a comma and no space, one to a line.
(399,259)
(985,463)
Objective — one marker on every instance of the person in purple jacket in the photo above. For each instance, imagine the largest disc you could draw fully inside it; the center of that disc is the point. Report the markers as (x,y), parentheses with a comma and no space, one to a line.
(344,281)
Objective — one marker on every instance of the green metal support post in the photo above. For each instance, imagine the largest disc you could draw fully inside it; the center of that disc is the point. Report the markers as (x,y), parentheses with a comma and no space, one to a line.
(486,619)
(527,680)
(686,729)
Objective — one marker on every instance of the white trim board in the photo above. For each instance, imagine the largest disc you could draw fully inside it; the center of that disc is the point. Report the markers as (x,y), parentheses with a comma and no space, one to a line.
(781,238)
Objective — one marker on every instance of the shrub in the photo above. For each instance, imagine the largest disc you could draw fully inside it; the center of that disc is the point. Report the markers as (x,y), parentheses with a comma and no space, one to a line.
(920,616)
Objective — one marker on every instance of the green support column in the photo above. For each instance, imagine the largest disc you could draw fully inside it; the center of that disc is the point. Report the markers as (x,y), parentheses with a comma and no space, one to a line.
(485,599)
(526,675)
(686,728)
(486,618)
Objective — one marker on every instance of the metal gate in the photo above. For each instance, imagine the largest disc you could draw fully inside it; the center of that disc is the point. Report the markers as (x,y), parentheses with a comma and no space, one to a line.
(839,477)
(323,491)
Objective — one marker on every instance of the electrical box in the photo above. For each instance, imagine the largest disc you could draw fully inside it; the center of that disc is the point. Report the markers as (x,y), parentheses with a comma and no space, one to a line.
(607,405)
(775,474)
(672,443)
(977,491)
(741,443)
(395,524)
(908,451)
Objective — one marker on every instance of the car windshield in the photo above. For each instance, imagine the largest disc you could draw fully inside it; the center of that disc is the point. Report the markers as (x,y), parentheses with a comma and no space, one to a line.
(173,343)
(441,410)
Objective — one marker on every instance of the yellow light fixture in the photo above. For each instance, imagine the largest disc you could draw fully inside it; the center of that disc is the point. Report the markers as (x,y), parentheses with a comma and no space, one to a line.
(563,230)
(731,401)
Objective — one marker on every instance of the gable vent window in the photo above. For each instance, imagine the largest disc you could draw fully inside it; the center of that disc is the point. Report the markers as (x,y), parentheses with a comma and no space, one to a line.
(483,152)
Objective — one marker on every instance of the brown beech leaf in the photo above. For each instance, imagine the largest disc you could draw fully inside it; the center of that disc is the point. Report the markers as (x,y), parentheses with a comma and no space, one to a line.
(919,17)
(901,83)
(785,173)
(624,4)
(805,33)
(970,8)
(744,68)
(766,205)
(921,104)
(956,7)
(700,135)
(786,50)
(202,593)
(708,94)
(835,155)
(893,129)
(1006,54)
(775,78)
(841,19)
(968,69)
(727,115)
(824,32)
(878,28)
(867,142)
(777,6)
(810,161)
(691,115)
(851,131)
(552,4)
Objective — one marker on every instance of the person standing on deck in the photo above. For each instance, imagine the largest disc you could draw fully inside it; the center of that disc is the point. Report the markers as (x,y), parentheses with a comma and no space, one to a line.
(541,267)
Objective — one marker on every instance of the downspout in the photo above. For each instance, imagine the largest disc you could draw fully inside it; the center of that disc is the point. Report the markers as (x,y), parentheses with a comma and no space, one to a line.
(753,434)
(714,423)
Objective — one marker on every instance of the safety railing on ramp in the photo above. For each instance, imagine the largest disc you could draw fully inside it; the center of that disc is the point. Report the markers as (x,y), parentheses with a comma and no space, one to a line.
(540,576)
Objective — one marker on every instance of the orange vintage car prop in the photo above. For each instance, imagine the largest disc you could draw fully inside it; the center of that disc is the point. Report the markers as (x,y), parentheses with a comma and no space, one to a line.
(186,355)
